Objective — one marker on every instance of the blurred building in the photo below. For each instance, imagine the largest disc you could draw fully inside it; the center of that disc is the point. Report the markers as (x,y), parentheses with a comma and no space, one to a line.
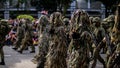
(9,9)
(94,8)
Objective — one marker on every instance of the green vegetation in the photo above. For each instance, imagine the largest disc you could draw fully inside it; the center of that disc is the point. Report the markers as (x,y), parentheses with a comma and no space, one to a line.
(24,16)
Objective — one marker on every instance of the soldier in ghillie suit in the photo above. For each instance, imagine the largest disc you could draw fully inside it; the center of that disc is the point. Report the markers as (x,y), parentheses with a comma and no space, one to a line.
(4,30)
(113,61)
(56,56)
(20,35)
(66,23)
(43,33)
(78,50)
(27,40)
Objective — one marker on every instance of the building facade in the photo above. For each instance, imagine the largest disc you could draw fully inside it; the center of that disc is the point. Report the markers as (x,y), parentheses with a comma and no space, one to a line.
(9,9)
(94,8)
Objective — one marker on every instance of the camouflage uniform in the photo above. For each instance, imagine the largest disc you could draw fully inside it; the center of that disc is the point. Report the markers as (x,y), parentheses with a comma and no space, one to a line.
(56,56)
(20,35)
(92,26)
(27,40)
(79,46)
(113,61)
(4,30)
(43,29)
(99,33)
(67,28)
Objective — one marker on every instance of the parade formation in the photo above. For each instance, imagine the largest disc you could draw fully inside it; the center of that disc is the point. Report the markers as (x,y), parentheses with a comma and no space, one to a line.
(75,42)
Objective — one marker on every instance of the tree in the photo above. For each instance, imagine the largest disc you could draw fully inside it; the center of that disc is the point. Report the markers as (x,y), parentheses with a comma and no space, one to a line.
(63,5)
(109,4)
(54,5)
(2,2)
(45,5)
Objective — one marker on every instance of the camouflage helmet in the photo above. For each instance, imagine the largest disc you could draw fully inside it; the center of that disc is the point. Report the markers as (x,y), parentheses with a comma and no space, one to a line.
(4,27)
(43,20)
(104,21)
(111,18)
(57,19)
(96,19)
(91,18)
(81,17)
(66,21)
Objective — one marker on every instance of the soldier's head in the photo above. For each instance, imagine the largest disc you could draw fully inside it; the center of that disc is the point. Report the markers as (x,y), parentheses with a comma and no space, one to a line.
(28,21)
(43,20)
(4,27)
(56,18)
(96,21)
(80,17)
(91,19)
(111,20)
(104,23)
(66,21)
(86,36)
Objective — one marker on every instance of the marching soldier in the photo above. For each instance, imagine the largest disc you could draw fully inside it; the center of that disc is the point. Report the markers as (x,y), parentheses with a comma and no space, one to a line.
(113,61)
(27,40)
(4,30)
(43,41)
(57,53)
(20,35)
(79,46)
(99,35)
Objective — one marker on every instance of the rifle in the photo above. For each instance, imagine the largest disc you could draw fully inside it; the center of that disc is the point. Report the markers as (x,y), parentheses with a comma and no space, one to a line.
(108,42)
(93,38)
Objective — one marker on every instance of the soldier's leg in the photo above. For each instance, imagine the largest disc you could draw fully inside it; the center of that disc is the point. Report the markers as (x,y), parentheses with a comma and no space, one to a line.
(94,60)
(2,62)
(97,55)
(17,44)
(23,45)
(109,63)
(100,46)
(41,62)
(37,56)
(101,60)
(32,46)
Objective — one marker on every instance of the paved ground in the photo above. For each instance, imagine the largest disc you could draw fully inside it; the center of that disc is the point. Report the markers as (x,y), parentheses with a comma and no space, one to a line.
(15,60)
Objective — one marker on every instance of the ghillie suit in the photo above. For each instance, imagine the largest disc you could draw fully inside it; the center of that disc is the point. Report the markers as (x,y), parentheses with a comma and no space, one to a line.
(20,35)
(27,40)
(111,22)
(43,28)
(113,61)
(66,23)
(78,51)
(56,56)
(4,30)
(92,26)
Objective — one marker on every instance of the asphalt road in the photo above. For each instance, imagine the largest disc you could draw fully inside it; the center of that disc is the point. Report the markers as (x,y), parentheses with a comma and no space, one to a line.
(14,59)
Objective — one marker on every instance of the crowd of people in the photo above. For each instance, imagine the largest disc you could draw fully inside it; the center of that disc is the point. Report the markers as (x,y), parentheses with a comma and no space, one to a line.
(69,43)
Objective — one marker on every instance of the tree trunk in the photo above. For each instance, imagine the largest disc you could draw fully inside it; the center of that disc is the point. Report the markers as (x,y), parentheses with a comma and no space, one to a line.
(106,11)
(65,10)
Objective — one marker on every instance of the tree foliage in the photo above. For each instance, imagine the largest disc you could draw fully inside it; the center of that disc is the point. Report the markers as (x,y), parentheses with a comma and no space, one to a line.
(109,5)
(52,5)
